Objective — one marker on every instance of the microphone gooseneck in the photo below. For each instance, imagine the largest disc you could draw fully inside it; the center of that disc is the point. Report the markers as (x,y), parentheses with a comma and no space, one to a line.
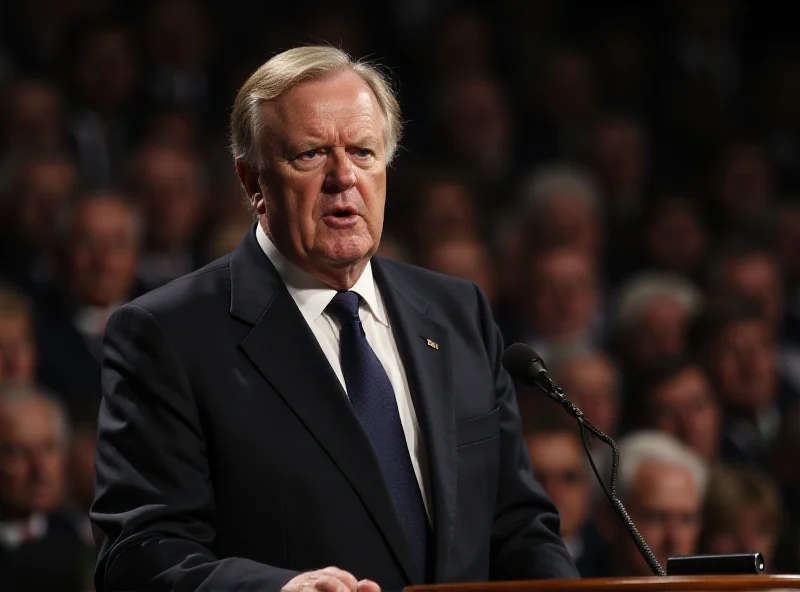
(525,365)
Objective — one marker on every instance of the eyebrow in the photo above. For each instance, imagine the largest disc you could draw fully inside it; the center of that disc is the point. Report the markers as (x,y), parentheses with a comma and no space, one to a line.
(292,149)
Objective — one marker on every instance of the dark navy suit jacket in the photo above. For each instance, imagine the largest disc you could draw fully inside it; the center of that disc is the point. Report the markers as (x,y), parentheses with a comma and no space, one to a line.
(229,457)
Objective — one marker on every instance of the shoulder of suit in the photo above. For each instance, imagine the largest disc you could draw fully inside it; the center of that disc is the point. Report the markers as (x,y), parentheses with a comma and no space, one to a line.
(429,284)
(206,284)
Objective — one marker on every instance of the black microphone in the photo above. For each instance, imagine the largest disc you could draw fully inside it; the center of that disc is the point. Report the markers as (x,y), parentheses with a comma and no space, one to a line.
(526,366)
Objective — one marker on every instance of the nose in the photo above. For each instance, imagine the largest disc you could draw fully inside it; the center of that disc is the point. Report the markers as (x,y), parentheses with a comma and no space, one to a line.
(340,175)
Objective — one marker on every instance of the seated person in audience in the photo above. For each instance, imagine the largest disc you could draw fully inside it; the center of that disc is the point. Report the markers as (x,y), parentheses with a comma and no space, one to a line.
(591,381)
(36,190)
(675,397)
(742,514)
(39,548)
(736,347)
(662,483)
(467,259)
(652,316)
(168,185)
(560,465)
(750,269)
(17,348)
(560,300)
(101,238)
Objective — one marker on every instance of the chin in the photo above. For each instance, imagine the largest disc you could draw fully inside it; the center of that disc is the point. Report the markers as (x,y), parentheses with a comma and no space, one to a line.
(347,251)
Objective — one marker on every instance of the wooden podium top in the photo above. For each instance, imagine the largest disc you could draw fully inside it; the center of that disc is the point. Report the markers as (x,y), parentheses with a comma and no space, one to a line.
(650,584)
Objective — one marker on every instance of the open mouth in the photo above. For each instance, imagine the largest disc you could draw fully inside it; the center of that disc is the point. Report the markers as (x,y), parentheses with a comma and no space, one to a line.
(341,217)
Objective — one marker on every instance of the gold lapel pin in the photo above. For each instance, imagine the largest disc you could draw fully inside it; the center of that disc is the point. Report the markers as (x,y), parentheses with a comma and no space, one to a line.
(433,344)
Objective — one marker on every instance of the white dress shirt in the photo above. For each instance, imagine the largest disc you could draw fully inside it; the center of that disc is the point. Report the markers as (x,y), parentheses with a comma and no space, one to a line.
(312,297)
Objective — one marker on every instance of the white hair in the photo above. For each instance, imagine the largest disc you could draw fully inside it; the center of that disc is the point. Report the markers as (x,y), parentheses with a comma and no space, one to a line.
(17,393)
(557,181)
(283,72)
(643,290)
(652,447)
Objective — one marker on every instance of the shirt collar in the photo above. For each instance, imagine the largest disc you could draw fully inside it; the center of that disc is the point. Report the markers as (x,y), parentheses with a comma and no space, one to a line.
(311,295)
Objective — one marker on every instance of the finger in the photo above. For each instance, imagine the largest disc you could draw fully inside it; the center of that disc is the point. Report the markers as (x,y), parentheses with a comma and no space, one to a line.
(368,586)
(327,583)
(345,577)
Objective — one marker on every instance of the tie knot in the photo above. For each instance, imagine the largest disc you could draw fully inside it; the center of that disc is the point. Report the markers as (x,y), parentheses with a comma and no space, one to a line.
(344,307)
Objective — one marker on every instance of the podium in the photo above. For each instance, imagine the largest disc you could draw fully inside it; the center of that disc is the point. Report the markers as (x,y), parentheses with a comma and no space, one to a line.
(649,584)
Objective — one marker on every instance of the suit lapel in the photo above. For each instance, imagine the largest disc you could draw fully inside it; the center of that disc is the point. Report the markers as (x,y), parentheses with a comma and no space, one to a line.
(425,350)
(286,353)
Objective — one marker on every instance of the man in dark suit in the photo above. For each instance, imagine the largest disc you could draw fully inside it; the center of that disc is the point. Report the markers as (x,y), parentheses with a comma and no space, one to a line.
(298,404)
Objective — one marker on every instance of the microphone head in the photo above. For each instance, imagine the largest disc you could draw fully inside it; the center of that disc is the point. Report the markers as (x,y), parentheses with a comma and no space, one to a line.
(522,362)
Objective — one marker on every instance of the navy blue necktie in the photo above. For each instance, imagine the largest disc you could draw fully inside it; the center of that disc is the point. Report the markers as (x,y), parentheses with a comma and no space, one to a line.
(373,399)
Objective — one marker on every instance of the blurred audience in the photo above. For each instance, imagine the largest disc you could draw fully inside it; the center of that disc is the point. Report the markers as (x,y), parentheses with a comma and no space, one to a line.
(101,240)
(466,259)
(39,547)
(560,465)
(736,347)
(37,187)
(31,116)
(590,169)
(662,484)
(591,381)
(560,301)
(653,312)
(169,186)
(675,397)
(742,514)
(17,346)
(561,207)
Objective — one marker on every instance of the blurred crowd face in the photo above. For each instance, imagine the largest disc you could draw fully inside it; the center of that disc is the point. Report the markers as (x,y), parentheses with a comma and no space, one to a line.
(750,529)
(42,190)
(742,362)
(745,184)
(32,117)
(686,407)
(169,191)
(177,34)
(479,124)
(105,73)
(323,208)
(569,220)
(17,349)
(675,238)
(32,458)
(664,502)
(462,45)
(562,295)
(103,251)
(658,333)
(618,158)
(568,87)
(591,383)
(447,212)
(757,278)
(559,464)
(466,259)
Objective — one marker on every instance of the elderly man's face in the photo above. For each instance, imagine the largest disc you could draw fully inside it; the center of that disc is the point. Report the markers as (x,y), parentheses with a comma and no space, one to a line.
(664,501)
(32,458)
(323,183)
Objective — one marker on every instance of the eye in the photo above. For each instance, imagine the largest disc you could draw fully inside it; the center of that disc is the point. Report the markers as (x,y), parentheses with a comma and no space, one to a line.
(363,154)
(310,154)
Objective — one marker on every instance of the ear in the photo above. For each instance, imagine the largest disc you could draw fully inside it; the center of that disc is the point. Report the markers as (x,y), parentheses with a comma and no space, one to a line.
(249,179)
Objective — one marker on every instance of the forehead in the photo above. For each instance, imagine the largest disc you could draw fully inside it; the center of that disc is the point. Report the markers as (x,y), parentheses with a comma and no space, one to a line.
(23,419)
(337,108)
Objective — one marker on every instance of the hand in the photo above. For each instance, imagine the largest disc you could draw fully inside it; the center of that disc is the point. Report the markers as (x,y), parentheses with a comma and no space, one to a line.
(330,579)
